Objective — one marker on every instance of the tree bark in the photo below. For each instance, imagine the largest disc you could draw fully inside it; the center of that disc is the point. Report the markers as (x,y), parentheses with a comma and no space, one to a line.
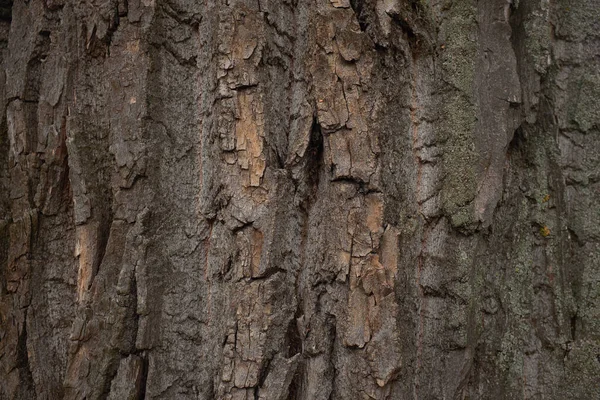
(293,199)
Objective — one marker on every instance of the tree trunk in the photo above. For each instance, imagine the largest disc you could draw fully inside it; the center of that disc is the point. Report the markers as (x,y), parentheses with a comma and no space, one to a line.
(293,199)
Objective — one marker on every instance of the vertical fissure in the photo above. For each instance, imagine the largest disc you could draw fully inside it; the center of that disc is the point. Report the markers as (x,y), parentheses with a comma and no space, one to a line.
(26,384)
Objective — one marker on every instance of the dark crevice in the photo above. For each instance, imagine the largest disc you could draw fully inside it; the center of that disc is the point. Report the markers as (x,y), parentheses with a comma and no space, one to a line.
(103,235)
(518,140)
(26,384)
(574,327)
(314,155)
(334,371)
(123,8)
(6,10)
(517,33)
(112,28)
(142,381)
(306,172)
(361,186)
(245,224)
(292,336)
(404,25)
(380,48)
(519,149)
(359,10)
(238,87)
(268,274)
(264,372)
(279,161)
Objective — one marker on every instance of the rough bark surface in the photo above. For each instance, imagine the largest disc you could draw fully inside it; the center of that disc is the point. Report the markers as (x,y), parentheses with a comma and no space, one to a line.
(299,199)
